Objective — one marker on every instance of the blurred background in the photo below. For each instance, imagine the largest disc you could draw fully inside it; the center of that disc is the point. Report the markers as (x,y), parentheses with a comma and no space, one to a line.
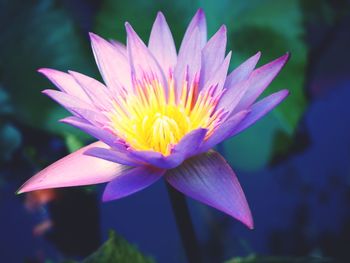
(293,164)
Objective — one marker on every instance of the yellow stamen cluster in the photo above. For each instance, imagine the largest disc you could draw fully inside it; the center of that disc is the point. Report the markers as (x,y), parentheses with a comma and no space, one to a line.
(150,119)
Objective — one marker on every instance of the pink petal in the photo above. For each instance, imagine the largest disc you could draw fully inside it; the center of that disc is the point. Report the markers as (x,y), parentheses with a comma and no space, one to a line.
(219,76)
(112,63)
(189,61)
(198,22)
(260,79)
(97,92)
(97,132)
(65,83)
(161,44)
(141,59)
(131,181)
(73,170)
(121,48)
(213,54)
(77,107)
(209,179)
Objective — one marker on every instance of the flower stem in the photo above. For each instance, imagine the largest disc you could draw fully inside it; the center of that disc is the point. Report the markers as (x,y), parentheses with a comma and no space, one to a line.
(184,224)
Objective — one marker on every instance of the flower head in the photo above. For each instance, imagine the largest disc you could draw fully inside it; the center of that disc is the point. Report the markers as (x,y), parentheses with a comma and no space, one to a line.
(159,113)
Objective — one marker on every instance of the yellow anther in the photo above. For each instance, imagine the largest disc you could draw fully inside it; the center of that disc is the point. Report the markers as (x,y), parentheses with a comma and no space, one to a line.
(150,120)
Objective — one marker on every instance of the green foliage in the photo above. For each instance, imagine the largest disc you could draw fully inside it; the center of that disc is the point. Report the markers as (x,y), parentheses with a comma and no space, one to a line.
(117,250)
(259,259)
(40,35)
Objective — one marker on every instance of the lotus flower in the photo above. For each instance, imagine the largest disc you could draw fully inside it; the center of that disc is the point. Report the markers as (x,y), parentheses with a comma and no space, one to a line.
(158,115)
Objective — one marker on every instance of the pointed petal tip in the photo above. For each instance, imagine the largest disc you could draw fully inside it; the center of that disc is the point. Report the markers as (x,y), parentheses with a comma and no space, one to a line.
(285,58)
(65,120)
(93,35)
(282,94)
(49,72)
(288,56)
(223,29)
(44,71)
(245,219)
(160,15)
(130,30)
(105,197)
(128,27)
(25,188)
(249,223)
(200,12)
(95,39)
(46,92)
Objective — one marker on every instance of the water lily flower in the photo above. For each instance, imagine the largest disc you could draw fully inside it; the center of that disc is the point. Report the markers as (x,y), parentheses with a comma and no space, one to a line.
(158,115)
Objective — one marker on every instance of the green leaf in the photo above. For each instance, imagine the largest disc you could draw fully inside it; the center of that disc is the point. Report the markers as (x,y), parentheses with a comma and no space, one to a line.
(38,34)
(116,249)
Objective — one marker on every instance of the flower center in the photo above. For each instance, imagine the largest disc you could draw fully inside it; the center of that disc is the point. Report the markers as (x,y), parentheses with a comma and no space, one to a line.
(149,119)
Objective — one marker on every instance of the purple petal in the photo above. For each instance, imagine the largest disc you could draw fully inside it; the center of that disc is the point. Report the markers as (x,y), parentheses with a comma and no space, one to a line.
(198,22)
(209,179)
(131,181)
(161,44)
(112,63)
(231,97)
(219,76)
(141,59)
(150,157)
(118,155)
(213,54)
(260,109)
(242,72)
(97,92)
(73,170)
(77,106)
(236,84)
(223,131)
(260,79)
(188,62)
(65,83)
(188,146)
(94,131)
